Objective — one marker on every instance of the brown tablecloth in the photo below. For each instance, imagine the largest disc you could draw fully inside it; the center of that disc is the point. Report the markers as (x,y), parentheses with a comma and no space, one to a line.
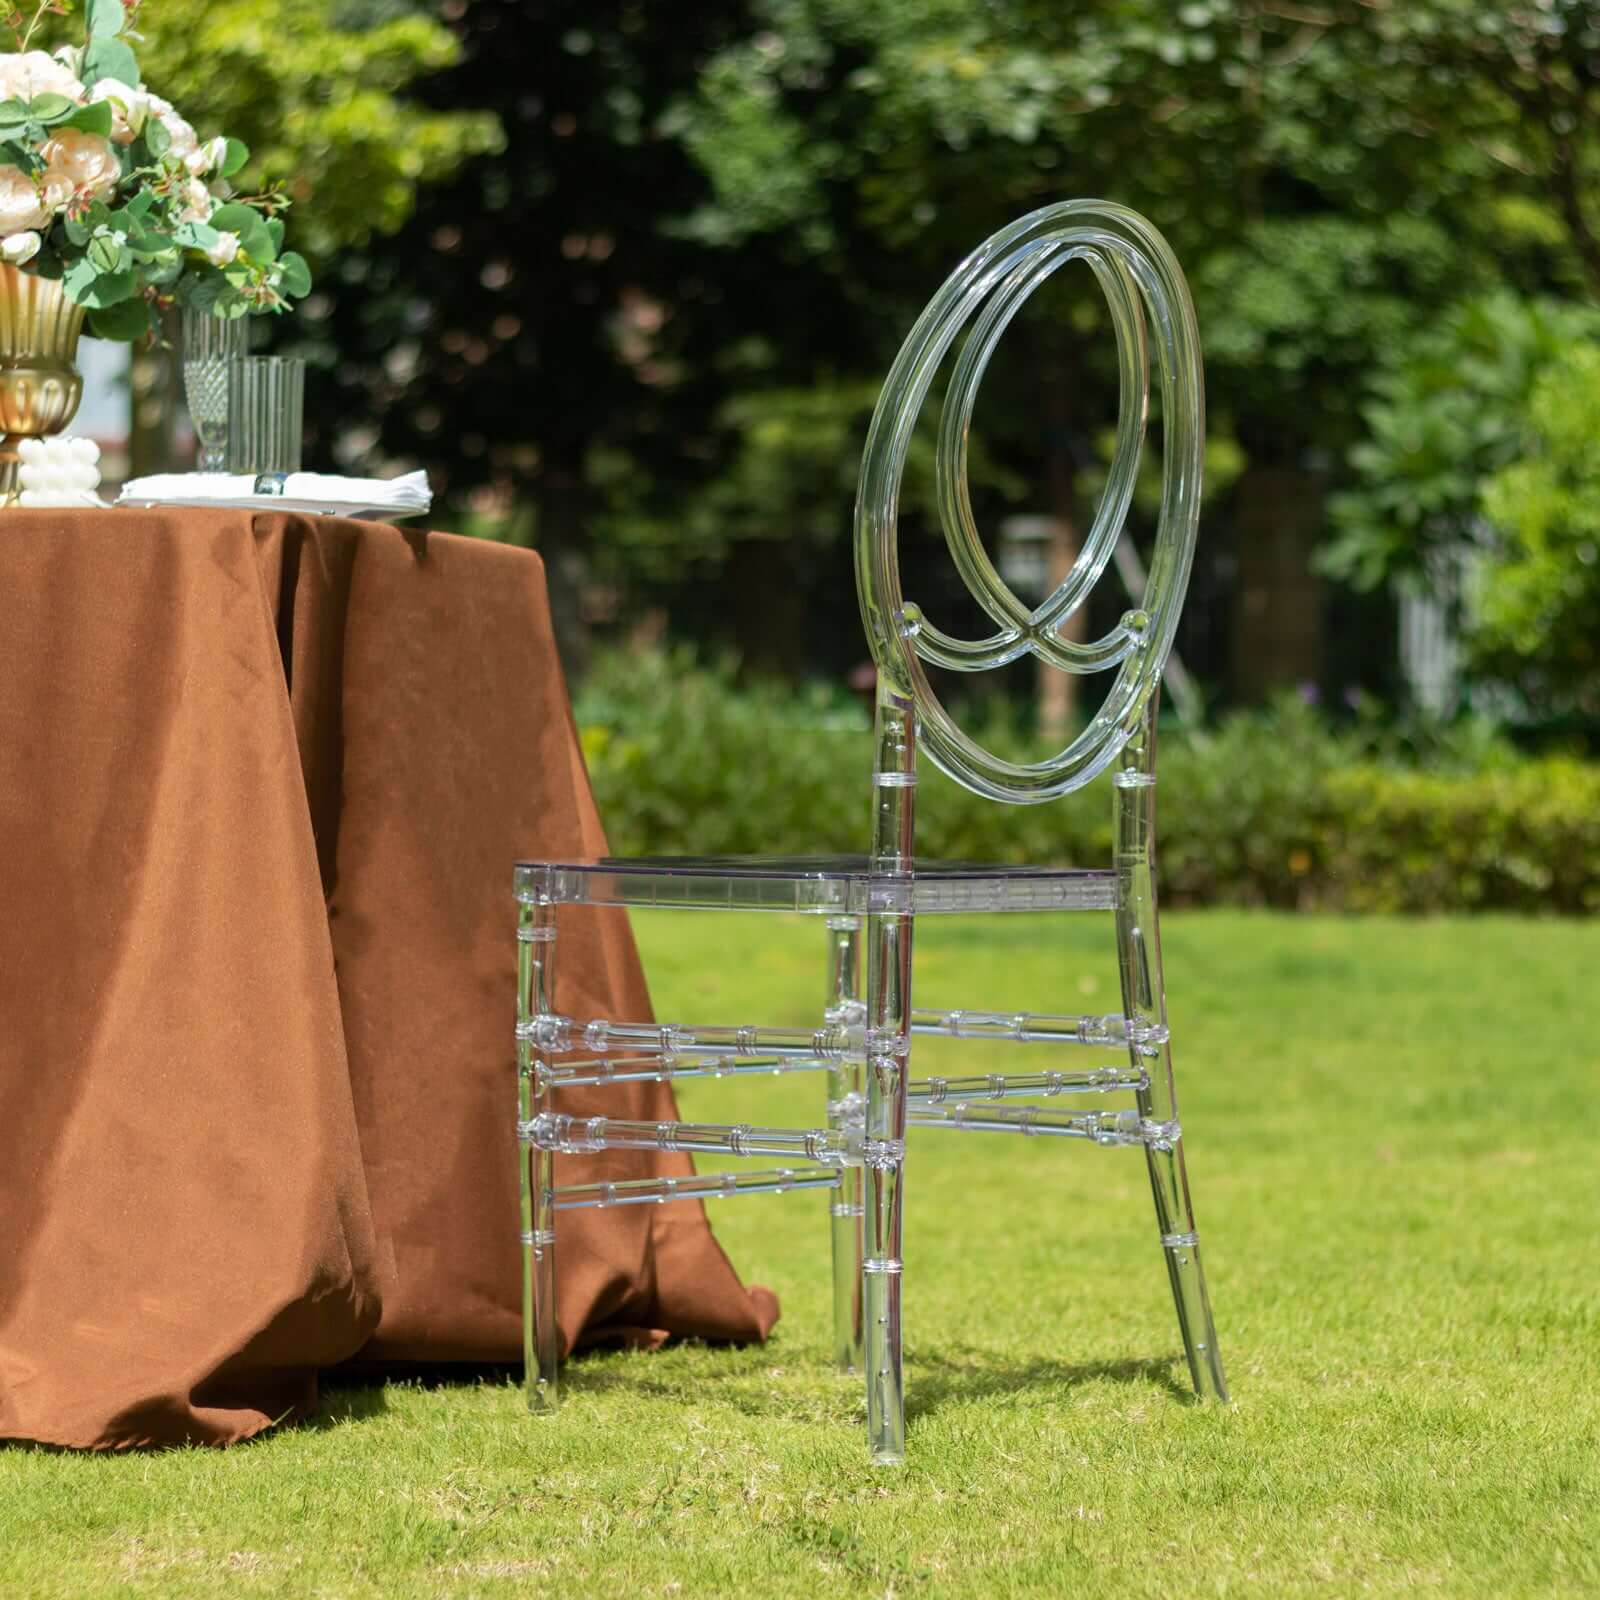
(262,781)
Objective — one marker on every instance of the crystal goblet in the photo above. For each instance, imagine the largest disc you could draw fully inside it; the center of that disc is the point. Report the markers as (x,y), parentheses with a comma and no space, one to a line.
(211,344)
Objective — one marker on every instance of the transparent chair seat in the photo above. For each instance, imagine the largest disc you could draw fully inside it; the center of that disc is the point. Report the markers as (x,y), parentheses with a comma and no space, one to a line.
(821,885)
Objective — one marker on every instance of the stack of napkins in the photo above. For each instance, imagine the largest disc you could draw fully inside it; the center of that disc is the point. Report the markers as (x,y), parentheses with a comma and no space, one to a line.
(408,494)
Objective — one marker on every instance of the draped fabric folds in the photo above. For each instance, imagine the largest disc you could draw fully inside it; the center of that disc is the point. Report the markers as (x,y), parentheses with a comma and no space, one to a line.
(262,780)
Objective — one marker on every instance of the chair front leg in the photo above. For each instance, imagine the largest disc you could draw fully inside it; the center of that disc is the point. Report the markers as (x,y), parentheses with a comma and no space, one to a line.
(887,1048)
(888,1060)
(1144,1004)
(846,1102)
(541,1338)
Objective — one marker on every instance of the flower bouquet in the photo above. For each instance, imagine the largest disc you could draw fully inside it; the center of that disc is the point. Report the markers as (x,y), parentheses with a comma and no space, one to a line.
(105,187)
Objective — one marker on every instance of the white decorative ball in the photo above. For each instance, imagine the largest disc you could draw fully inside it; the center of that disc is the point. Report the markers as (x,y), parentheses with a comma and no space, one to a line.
(58,472)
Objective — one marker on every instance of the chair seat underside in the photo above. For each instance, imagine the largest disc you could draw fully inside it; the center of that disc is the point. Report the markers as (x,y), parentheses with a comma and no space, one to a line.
(819,885)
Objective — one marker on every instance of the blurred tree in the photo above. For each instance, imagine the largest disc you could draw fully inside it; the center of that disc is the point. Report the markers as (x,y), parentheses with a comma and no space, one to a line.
(540,319)
(1479,481)
(1537,622)
(319,91)
(1505,91)
(1324,170)
(1446,410)
(757,197)
(907,131)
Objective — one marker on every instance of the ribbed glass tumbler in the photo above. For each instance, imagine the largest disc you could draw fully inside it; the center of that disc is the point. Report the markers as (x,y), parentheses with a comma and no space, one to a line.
(211,345)
(266,409)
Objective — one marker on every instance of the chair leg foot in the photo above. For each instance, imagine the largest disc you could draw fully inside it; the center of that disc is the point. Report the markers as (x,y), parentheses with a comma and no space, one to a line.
(542,1338)
(886,1426)
(1187,1276)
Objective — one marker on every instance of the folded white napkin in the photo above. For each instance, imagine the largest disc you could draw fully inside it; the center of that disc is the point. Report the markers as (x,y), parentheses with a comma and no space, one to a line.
(410,493)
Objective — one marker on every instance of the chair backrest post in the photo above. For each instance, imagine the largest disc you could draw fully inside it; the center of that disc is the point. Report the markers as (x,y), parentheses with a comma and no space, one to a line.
(894,781)
(1150,309)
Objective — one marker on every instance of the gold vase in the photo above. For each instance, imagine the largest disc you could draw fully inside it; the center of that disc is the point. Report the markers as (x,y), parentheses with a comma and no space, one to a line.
(39,383)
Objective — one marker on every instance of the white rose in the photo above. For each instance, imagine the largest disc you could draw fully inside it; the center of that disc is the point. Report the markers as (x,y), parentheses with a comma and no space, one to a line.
(84,160)
(185,141)
(208,158)
(129,108)
(224,250)
(195,202)
(27,76)
(20,247)
(55,190)
(21,208)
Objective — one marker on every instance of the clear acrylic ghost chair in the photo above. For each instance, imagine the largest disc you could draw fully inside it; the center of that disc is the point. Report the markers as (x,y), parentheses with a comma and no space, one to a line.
(864,1041)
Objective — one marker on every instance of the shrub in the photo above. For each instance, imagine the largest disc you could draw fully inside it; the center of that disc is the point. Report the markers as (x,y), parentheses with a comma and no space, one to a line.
(1271,808)
(1524,839)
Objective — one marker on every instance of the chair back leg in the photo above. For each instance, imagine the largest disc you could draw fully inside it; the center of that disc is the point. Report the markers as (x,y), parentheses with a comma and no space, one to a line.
(1145,1006)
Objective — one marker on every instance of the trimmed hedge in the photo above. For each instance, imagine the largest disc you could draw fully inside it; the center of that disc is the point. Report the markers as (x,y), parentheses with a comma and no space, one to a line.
(1271,808)
(1522,839)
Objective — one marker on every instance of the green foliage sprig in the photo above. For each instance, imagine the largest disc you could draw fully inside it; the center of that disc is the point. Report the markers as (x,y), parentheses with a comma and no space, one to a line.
(106,187)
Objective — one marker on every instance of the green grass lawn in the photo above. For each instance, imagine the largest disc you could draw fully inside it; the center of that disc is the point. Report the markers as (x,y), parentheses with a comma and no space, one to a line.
(1392,1136)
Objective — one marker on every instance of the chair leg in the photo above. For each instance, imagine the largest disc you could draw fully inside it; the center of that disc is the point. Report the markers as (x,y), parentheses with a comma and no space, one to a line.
(845,1100)
(541,1339)
(888,1056)
(1144,1004)
(881,1267)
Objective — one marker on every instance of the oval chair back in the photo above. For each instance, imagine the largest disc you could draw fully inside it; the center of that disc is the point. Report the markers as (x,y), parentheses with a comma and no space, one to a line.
(1146,293)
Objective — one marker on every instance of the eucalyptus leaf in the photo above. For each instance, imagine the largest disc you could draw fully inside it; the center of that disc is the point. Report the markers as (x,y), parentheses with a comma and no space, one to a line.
(106,254)
(141,236)
(125,322)
(95,289)
(110,58)
(205,290)
(91,119)
(156,138)
(255,238)
(195,235)
(49,109)
(296,280)
(238,153)
(105,18)
(13,111)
